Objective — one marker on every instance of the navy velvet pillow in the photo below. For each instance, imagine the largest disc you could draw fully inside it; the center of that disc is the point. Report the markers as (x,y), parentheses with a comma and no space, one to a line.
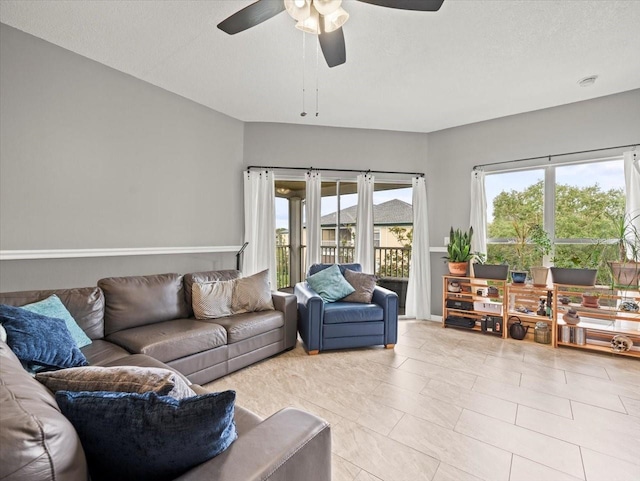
(140,437)
(40,340)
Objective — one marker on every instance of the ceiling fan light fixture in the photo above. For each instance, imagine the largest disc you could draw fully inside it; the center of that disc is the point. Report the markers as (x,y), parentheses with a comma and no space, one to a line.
(299,10)
(311,24)
(335,20)
(327,7)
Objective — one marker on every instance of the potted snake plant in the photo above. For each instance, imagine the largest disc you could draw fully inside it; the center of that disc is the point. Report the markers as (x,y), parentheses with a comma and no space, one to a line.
(459,251)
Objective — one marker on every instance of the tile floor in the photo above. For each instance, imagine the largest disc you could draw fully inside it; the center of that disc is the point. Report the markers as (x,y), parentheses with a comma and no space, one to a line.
(448,405)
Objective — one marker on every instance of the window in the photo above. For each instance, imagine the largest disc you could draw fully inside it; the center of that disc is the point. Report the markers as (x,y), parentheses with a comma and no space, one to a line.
(576,203)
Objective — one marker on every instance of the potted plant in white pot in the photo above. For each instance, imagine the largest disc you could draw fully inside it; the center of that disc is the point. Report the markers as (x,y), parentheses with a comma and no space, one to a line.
(542,243)
(459,251)
(626,270)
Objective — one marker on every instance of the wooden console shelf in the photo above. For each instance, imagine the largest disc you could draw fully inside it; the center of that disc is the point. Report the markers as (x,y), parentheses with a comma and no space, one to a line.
(483,302)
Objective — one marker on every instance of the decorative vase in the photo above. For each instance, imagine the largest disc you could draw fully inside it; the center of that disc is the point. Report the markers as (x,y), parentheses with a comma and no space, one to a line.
(458,268)
(518,277)
(539,276)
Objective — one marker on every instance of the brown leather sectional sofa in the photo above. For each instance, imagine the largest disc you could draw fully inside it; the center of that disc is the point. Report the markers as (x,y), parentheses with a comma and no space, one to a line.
(148,321)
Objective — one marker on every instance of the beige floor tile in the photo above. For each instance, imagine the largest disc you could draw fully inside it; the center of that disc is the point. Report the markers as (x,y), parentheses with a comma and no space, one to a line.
(410,341)
(343,470)
(433,371)
(632,406)
(628,387)
(447,472)
(596,397)
(381,456)
(472,400)
(526,397)
(522,367)
(523,469)
(423,407)
(364,476)
(552,452)
(599,430)
(379,417)
(463,452)
(552,358)
(600,467)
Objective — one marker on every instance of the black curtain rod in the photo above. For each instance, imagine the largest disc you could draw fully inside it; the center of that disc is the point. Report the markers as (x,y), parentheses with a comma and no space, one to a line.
(479,166)
(308,169)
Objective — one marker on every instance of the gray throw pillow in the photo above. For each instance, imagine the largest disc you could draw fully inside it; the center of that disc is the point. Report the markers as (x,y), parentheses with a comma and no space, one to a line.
(251,294)
(364,285)
(132,379)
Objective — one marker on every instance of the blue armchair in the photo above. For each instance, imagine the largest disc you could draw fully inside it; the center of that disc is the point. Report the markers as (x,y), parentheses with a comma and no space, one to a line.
(339,325)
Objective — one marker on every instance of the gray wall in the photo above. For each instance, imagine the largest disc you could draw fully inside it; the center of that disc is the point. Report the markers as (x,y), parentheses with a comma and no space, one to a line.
(592,124)
(94,158)
(287,145)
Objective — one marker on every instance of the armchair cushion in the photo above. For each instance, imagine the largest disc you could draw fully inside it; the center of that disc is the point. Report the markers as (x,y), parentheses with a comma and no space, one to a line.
(341,312)
(330,284)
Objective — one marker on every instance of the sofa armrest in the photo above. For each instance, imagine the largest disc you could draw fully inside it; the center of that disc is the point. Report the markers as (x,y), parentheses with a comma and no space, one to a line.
(310,315)
(388,300)
(290,445)
(286,303)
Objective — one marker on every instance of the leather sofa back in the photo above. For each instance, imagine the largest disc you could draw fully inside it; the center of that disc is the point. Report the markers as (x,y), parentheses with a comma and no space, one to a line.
(38,442)
(315,268)
(207,276)
(85,304)
(139,300)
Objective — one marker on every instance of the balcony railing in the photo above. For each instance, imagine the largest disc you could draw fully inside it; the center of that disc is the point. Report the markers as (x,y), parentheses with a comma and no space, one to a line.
(389,261)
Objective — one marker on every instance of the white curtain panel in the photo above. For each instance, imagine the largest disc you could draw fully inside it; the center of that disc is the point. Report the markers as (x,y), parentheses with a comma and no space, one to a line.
(260,224)
(312,216)
(478,219)
(418,303)
(364,223)
(632,187)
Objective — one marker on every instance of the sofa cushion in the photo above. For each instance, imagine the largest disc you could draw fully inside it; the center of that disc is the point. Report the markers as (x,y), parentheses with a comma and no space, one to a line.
(320,267)
(101,352)
(52,306)
(364,285)
(37,443)
(148,437)
(206,276)
(141,300)
(85,304)
(252,294)
(330,284)
(40,340)
(244,326)
(340,312)
(143,360)
(211,300)
(135,379)
(171,340)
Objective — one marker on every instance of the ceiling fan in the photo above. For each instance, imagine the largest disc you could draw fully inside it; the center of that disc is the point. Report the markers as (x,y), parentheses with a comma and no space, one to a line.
(321,17)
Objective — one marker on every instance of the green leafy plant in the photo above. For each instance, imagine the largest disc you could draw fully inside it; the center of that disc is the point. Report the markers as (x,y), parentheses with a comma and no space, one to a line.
(459,247)
(540,239)
(627,237)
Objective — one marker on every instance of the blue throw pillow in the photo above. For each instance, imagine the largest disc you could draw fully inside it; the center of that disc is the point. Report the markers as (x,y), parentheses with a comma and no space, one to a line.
(330,284)
(53,307)
(140,437)
(40,340)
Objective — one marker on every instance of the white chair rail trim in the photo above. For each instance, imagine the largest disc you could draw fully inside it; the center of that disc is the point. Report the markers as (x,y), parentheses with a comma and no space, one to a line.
(14,255)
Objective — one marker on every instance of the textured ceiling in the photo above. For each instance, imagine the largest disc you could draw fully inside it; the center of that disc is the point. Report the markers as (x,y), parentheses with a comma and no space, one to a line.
(409,71)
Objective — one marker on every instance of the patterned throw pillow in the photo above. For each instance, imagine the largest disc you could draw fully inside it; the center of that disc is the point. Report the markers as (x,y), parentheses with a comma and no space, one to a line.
(163,382)
(252,294)
(364,284)
(146,437)
(211,300)
(330,284)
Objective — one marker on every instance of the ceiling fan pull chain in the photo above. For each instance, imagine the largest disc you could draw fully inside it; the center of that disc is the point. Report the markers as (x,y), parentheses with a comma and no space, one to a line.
(304,36)
(317,71)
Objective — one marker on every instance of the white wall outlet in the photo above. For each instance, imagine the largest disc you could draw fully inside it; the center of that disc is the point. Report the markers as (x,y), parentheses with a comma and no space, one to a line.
(446,240)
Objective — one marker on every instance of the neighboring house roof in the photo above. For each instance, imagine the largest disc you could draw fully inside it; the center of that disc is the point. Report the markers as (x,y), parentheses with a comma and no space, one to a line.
(391,212)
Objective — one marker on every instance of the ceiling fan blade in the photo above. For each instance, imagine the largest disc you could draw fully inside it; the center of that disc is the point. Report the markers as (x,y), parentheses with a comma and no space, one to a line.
(419,5)
(251,16)
(333,49)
